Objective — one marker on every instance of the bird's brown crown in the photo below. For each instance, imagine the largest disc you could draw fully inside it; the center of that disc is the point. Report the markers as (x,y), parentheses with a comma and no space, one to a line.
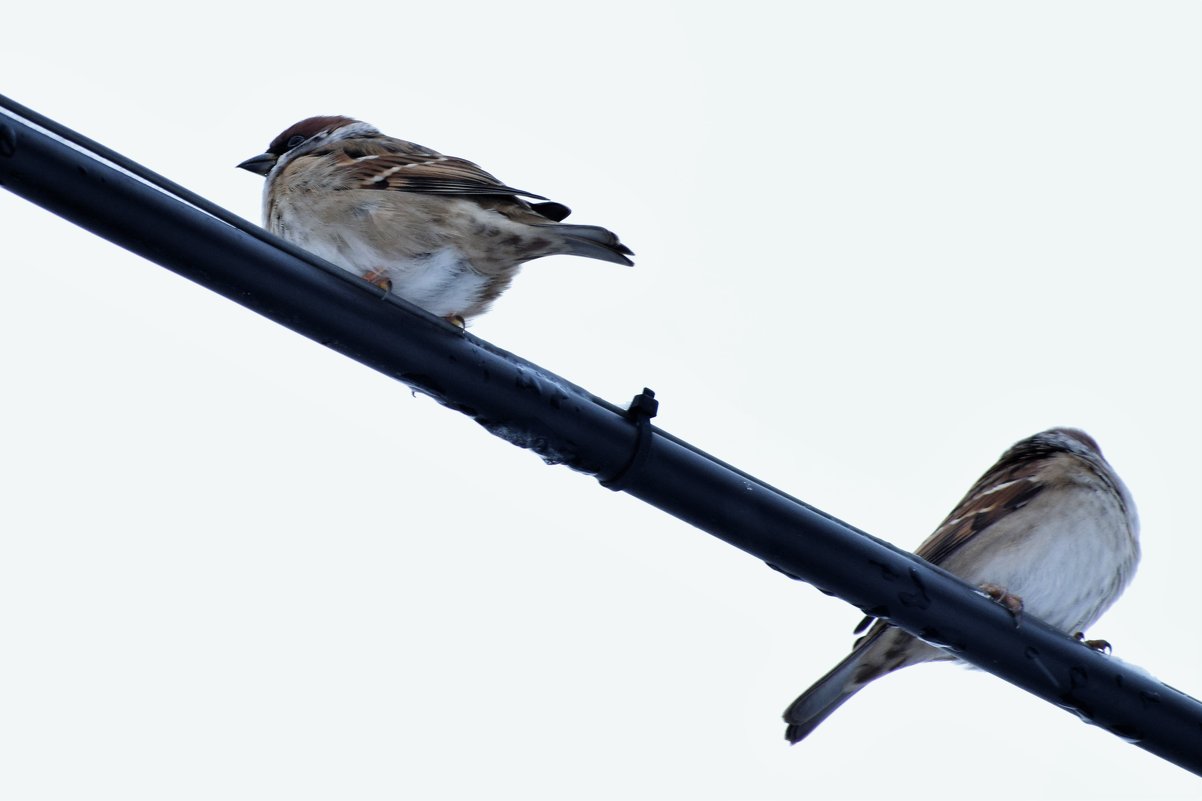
(306,129)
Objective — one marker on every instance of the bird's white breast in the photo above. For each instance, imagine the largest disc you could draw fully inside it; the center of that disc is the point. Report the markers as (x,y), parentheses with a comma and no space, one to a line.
(1067,558)
(439,279)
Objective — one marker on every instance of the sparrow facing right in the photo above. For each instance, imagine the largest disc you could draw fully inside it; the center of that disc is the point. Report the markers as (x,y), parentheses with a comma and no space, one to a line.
(436,230)
(1050,530)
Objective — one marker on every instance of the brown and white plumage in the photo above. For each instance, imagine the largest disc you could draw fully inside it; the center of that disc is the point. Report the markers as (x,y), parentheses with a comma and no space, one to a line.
(437,230)
(1051,524)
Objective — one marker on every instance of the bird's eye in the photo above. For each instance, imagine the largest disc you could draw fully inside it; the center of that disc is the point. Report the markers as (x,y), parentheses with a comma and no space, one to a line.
(294,141)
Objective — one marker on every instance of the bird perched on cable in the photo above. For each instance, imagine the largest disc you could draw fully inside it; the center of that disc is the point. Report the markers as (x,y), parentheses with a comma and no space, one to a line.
(436,230)
(1050,530)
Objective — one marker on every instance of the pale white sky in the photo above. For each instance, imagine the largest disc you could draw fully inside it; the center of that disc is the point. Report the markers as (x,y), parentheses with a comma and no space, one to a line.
(877,243)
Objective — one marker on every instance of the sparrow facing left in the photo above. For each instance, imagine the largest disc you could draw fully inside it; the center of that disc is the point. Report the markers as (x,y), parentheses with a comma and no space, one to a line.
(436,230)
(1049,530)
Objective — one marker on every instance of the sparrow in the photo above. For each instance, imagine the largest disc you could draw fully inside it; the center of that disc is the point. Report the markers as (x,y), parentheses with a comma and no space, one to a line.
(436,230)
(1049,530)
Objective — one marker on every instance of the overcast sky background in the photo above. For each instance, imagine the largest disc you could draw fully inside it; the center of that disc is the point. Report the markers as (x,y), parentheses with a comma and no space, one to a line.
(877,244)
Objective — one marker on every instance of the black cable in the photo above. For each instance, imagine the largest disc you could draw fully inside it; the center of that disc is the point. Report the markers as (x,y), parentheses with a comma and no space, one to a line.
(531,407)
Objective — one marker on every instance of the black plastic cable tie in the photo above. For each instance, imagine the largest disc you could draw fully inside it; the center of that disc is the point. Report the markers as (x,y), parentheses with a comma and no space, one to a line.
(642,408)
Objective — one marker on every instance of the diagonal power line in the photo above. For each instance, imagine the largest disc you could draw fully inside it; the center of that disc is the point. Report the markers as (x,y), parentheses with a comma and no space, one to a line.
(528,406)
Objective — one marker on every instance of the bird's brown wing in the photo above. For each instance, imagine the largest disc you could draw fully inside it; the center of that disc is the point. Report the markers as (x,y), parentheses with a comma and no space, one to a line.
(400,166)
(1010,484)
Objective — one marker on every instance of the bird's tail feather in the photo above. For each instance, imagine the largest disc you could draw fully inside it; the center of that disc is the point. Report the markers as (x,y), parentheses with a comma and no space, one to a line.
(882,650)
(594,242)
(828,694)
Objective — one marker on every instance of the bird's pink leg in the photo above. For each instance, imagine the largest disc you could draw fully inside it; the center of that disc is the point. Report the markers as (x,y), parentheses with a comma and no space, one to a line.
(1013,604)
(378,278)
(1096,645)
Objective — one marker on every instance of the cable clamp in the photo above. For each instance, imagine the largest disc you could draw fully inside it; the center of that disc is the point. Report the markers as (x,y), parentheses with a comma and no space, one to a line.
(642,408)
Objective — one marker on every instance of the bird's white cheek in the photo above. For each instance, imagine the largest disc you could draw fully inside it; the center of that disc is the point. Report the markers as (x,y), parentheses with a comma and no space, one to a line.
(267,205)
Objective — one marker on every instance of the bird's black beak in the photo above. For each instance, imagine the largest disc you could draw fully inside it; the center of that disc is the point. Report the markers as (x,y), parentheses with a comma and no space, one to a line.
(260,164)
